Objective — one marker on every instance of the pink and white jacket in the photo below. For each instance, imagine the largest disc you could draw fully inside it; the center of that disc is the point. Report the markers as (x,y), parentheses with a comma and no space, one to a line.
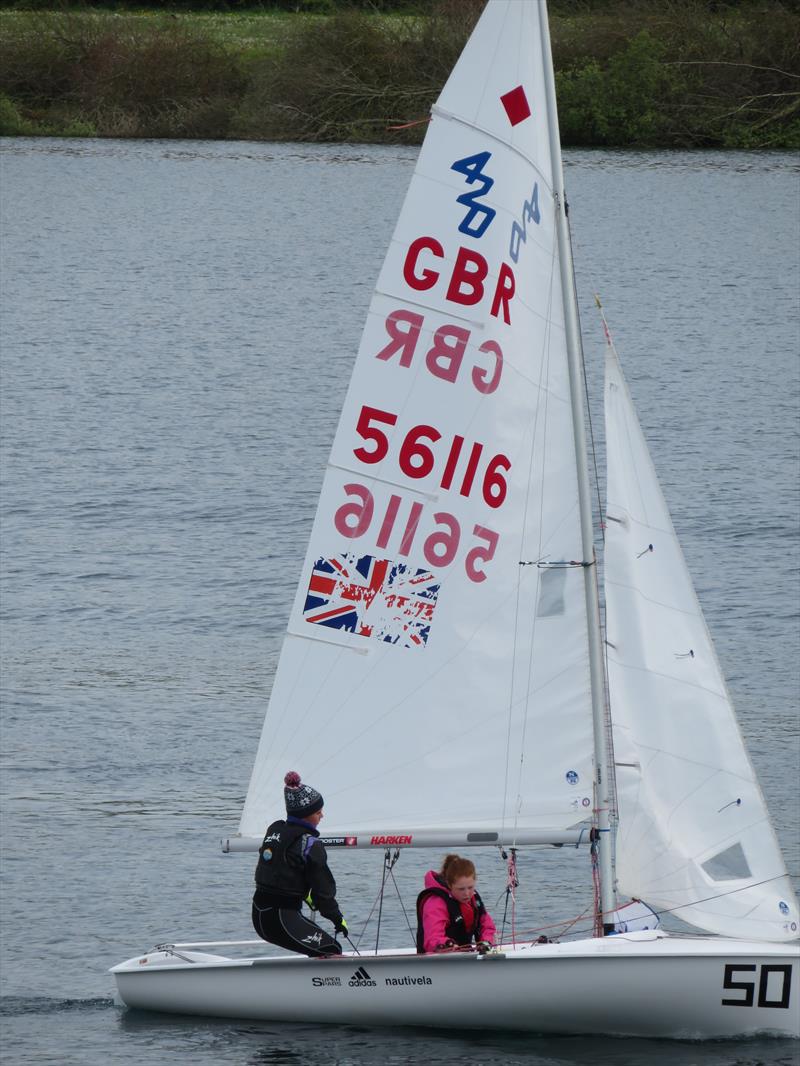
(436,917)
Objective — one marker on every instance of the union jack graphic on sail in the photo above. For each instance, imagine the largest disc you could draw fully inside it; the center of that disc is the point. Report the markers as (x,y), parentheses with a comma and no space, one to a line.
(372,597)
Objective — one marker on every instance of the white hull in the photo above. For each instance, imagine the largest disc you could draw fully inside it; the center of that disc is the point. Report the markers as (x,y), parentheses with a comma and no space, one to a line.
(639,984)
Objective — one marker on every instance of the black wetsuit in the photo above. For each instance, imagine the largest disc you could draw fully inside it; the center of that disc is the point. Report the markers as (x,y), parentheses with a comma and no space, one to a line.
(292,864)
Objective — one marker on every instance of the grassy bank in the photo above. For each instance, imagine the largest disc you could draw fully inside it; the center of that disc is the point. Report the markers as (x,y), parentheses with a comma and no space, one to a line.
(644,73)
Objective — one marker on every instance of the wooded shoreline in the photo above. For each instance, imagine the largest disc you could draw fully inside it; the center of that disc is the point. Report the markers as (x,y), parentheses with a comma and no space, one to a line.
(630,73)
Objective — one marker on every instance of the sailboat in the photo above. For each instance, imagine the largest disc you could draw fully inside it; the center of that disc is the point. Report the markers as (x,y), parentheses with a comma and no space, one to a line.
(445,679)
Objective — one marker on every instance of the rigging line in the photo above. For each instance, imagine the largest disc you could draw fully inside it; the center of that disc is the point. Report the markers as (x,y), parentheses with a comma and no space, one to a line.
(399,896)
(545,392)
(597,907)
(353,946)
(569,925)
(534,430)
(576,243)
(513,882)
(707,899)
(613,794)
(380,908)
(503,854)
(603,608)
(505,914)
(408,125)
(583,372)
(545,373)
(718,895)
(601,599)
(369,917)
(565,925)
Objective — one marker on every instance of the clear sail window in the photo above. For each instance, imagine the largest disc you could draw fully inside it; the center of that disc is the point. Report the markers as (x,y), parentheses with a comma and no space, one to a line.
(551,592)
(728,865)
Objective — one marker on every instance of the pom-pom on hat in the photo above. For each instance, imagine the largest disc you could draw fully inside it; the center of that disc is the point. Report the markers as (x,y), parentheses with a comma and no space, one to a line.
(301,800)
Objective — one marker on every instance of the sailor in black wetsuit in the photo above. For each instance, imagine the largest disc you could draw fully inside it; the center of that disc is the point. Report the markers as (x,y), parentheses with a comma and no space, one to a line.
(292,866)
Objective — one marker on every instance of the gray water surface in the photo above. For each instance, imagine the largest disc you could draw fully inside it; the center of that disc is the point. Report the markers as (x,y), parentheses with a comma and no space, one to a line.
(179,321)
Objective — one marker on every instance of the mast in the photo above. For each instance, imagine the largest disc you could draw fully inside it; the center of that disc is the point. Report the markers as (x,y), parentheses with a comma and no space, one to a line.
(574,354)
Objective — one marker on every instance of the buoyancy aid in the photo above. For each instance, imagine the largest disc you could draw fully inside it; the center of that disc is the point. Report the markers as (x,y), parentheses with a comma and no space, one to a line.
(281,866)
(456,929)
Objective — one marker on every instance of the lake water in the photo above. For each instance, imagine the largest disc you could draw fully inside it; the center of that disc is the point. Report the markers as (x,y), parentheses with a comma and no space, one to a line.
(171,312)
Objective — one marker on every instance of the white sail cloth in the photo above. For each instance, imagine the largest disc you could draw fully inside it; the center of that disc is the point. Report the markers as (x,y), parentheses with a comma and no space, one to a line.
(435,671)
(694,833)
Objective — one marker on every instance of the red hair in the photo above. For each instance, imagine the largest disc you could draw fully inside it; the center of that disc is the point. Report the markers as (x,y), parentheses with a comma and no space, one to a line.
(454,867)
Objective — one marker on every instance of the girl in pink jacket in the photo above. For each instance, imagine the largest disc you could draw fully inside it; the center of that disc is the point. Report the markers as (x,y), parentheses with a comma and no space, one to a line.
(450,913)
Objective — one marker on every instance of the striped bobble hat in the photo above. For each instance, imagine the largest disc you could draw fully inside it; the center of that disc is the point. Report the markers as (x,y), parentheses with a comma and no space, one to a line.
(301,800)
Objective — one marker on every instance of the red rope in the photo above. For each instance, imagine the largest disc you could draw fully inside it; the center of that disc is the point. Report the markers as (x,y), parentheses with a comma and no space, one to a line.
(511,884)
(408,125)
(598,915)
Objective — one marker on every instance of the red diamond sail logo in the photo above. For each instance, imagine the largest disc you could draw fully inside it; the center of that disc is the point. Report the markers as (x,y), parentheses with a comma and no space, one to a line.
(516,104)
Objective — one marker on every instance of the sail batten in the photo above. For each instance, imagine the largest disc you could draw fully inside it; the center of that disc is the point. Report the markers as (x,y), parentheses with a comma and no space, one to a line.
(447,116)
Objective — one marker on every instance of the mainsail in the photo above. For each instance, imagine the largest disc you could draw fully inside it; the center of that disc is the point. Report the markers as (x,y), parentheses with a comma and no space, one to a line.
(435,672)
(694,833)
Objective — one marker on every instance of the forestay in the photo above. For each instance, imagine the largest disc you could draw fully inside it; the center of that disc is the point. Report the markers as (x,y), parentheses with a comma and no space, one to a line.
(435,671)
(694,834)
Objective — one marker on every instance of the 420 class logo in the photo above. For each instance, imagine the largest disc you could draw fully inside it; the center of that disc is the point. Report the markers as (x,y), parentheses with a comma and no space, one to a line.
(480,216)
